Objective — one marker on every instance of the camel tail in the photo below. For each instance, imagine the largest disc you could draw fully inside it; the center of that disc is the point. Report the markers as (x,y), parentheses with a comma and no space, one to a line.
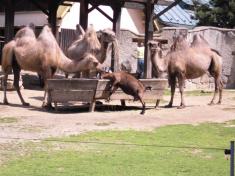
(7,57)
(217,52)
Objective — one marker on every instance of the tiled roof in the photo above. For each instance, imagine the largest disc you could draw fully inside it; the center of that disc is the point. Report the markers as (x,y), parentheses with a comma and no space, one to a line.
(176,16)
(190,2)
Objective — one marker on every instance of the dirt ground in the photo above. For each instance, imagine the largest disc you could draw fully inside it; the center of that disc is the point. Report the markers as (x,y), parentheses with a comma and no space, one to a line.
(34,122)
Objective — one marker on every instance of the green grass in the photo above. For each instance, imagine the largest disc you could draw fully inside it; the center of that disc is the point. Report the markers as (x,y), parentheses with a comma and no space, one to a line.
(168,151)
(8,120)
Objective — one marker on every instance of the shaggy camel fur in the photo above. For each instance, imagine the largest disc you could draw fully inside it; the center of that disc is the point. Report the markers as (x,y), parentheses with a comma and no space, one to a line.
(42,55)
(128,83)
(189,63)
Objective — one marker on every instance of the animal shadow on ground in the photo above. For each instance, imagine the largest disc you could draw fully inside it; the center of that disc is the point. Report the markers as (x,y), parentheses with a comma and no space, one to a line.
(84,108)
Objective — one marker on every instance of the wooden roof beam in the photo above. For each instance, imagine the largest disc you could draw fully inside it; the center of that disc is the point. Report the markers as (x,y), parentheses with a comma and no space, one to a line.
(103,13)
(40,7)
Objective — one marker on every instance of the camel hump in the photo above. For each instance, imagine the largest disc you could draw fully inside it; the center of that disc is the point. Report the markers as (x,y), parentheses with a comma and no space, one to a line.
(199,41)
(25,32)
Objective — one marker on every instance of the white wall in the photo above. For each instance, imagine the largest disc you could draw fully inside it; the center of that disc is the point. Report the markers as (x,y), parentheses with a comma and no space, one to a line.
(130,19)
(24,18)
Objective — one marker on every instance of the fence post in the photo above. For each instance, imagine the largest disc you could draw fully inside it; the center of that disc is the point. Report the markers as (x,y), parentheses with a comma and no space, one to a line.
(232,158)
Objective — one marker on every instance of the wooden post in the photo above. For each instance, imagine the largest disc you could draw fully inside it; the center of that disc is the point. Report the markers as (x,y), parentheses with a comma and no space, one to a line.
(83,14)
(117,10)
(148,36)
(52,19)
(232,158)
(9,20)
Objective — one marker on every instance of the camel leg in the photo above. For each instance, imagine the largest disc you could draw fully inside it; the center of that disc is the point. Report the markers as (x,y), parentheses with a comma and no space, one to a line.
(217,82)
(172,82)
(181,88)
(157,103)
(5,101)
(16,71)
(47,104)
(220,92)
(113,89)
(142,102)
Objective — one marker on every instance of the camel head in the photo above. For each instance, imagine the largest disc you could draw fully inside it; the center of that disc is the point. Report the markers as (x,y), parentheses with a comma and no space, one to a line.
(155,47)
(92,62)
(159,62)
(107,35)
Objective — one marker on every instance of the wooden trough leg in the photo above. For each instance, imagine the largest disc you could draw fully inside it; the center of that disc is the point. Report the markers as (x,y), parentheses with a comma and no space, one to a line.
(92,106)
(56,106)
(157,103)
(123,103)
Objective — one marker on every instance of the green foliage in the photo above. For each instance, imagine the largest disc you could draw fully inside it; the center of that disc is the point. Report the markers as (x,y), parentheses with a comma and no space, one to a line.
(172,150)
(220,13)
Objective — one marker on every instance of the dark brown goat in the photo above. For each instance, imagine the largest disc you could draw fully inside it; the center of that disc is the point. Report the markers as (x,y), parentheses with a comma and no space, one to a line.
(129,85)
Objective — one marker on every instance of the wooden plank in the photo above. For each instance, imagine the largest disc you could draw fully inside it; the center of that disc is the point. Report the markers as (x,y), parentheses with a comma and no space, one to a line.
(76,95)
(71,84)
(162,41)
(154,95)
(154,83)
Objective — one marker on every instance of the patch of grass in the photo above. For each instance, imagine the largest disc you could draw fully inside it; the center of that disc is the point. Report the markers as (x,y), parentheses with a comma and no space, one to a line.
(103,123)
(32,129)
(172,151)
(8,120)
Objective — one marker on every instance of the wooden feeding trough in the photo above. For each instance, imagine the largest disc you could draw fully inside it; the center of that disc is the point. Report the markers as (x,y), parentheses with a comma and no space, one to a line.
(90,90)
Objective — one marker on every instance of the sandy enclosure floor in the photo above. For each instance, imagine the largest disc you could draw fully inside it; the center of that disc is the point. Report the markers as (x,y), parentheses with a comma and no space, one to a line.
(34,122)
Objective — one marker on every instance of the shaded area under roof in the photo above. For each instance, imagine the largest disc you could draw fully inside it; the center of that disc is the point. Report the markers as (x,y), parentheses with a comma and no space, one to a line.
(176,16)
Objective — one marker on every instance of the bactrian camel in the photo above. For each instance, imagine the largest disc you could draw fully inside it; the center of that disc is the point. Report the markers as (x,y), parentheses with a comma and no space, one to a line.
(189,63)
(93,44)
(42,55)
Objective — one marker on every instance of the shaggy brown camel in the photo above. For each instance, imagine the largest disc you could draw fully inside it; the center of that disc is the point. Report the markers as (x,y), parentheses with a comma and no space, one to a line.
(190,63)
(95,44)
(42,55)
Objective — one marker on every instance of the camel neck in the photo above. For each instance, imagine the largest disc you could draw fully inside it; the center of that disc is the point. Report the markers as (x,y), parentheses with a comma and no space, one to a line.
(68,65)
(103,54)
(159,62)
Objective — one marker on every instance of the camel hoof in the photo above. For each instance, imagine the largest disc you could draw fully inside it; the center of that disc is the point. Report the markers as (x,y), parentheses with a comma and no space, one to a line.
(181,107)
(107,100)
(211,103)
(26,104)
(142,112)
(168,106)
(48,107)
(5,102)
(219,103)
